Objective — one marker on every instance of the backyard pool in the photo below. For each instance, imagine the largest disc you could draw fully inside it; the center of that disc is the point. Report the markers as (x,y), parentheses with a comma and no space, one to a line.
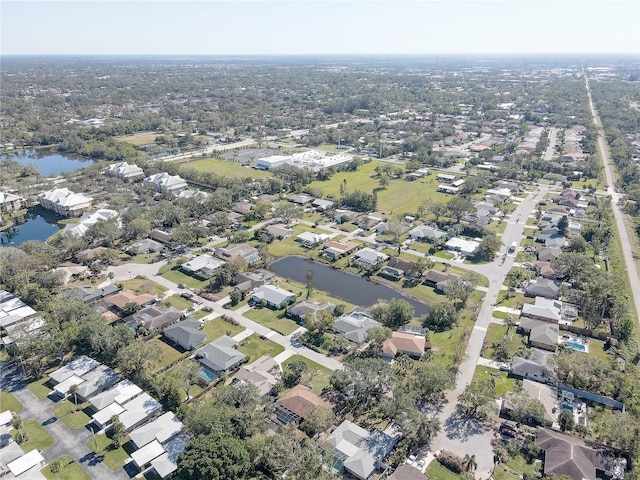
(207,375)
(576,346)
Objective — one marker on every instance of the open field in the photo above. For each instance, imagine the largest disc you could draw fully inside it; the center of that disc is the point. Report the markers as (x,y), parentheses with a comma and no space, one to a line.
(496,333)
(436,471)
(140,138)
(169,354)
(72,416)
(39,389)
(140,286)
(176,276)
(178,302)
(504,384)
(224,168)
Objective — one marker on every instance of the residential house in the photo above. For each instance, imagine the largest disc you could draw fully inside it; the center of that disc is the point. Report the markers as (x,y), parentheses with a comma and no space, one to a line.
(154,317)
(536,367)
(438,280)
(89,295)
(124,171)
(22,467)
(97,380)
(138,410)
(186,334)
(543,335)
(334,250)
(127,297)
(10,202)
(343,216)
(359,452)
(450,189)
(398,268)
(77,367)
(274,296)
(167,463)
(162,429)
(263,373)
(426,234)
(322,205)
(246,251)
(369,259)
(165,183)
(407,472)
(14,310)
(295,405)
(355,325)
(545,309)
(445,177)
(465,247)
(546,254)
(542,287)
(246,281)
(220,355)
(202,266)
(383,228)
(242,208)
(367,222)
(161,236)
(404,344)
(301,199)
(64,202)
(88,219)
(119,393)
(142,457)
(572,456)
(299,310)
(24,331)
(149,246)
(279,231)
(310,240)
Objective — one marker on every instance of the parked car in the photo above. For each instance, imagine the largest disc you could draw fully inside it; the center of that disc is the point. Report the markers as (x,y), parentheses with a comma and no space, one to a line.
(507,432)
(421,464)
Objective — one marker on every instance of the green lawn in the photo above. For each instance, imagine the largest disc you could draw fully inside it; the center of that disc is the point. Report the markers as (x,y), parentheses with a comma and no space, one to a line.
(142,286)
(39,389)
(178,302)
(317,296)
(139,138)
(514,300)
(496,333)
(275,320)
(285,248)
(504,384)
(75,420)
(224,168)
(436,471)
(39,438)
(9,402)
(217,327)
(70,471)
(113,459)
(255,347)
(316,375)
(169,354)
(176,276)
(144,259)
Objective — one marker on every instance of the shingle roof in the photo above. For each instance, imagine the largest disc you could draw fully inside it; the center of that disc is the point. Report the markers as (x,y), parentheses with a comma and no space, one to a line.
(301,400)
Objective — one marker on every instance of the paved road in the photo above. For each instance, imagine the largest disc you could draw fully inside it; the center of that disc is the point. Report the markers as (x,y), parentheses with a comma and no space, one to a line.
(68,442)
(548,154)
(626,240)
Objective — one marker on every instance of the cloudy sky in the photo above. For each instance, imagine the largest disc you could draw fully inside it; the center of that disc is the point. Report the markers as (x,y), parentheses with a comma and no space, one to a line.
(319,27)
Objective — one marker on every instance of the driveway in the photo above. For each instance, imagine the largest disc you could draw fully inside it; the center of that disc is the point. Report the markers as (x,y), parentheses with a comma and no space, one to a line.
(68,442)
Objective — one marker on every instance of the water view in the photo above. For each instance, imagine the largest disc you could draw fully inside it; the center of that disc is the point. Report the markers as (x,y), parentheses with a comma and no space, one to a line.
(348,287)
(37,225)
(49,162)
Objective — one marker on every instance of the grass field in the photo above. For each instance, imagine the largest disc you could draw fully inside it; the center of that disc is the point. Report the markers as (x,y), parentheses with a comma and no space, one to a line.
(169,354)
(39,389)
(39,438)
(496,333)
(75,420)
(140,138)
(255,347)
(178,302)
(176,276)
(70,471)
(504,384)
(217,327)
(112,458)
(224,168)
(140,286)
(275,320)
(436,471)
(316,375)
(9,402)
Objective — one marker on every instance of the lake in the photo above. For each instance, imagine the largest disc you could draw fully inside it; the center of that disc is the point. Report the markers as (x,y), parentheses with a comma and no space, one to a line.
(49,162)
(339,284)
(38,225)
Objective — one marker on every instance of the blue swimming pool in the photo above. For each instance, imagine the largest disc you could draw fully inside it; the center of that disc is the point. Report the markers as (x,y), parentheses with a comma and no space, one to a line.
(207,375)
(575,346)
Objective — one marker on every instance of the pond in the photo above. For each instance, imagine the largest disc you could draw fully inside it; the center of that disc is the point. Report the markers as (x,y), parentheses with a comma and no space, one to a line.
(37,224)
(339,284)
(49,162)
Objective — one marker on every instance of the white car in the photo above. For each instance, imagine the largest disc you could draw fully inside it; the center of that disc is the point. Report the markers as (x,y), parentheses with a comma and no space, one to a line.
(421,464)
(412,457)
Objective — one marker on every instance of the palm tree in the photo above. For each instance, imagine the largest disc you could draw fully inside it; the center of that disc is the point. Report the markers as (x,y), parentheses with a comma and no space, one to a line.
(470,462)
(509,322)
(73,390)
(56,467)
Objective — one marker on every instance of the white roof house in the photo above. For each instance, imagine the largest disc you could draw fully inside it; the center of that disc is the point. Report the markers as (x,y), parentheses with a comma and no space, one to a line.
(147,453)
(123,171)
(163,182)
(367,257)
(103,417)
(272,161)
(63,387)
(465,247)
(79,367)
(139,410)
(96,380)
(162,429)
(5,418)
(26,462)
(22,331)
(167,463)
(310,239)
(88,219)
(120,393)
(545,309)
(10,202)
(202,265)
(275,296)
(13,311)
(64,202)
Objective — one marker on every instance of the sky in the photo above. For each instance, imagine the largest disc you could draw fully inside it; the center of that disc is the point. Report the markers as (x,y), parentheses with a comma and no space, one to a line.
(267,27)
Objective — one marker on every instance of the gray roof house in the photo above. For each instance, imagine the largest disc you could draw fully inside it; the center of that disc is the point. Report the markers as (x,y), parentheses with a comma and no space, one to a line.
(263,373)
(78,367)
(154,317)
(299,310)
(545,336)
(542,287)
(162,429)
(360,452)
(369,258)
(97,380)
(186,334)
(88,294)
(119,393)
(355,325)
(167,463)
(535,368)
(424,232)
(139,410)
(274,296)
(202,266)
(544,309)
(220,355)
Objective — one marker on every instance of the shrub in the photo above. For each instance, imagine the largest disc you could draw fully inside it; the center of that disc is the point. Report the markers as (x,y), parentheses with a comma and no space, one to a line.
(451,461)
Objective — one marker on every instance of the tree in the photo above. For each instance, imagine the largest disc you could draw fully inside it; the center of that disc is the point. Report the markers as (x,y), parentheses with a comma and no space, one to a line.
(478,397)
(459,289)
(566,420)
(293,373)
(118,432)
(363,381)
(488,247)
(56,467)
(319,322)
(438,209)
(395,229)
(236,265)
(441,316)
(376,337)
(525,408)
(287,212)
(394,313)
(214,457)
(137,360)
(73,390)
(458,207)
(309,277)
(431,378)
(187,374)
(317,420)
(563,225)
(221,277)
(469,462)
